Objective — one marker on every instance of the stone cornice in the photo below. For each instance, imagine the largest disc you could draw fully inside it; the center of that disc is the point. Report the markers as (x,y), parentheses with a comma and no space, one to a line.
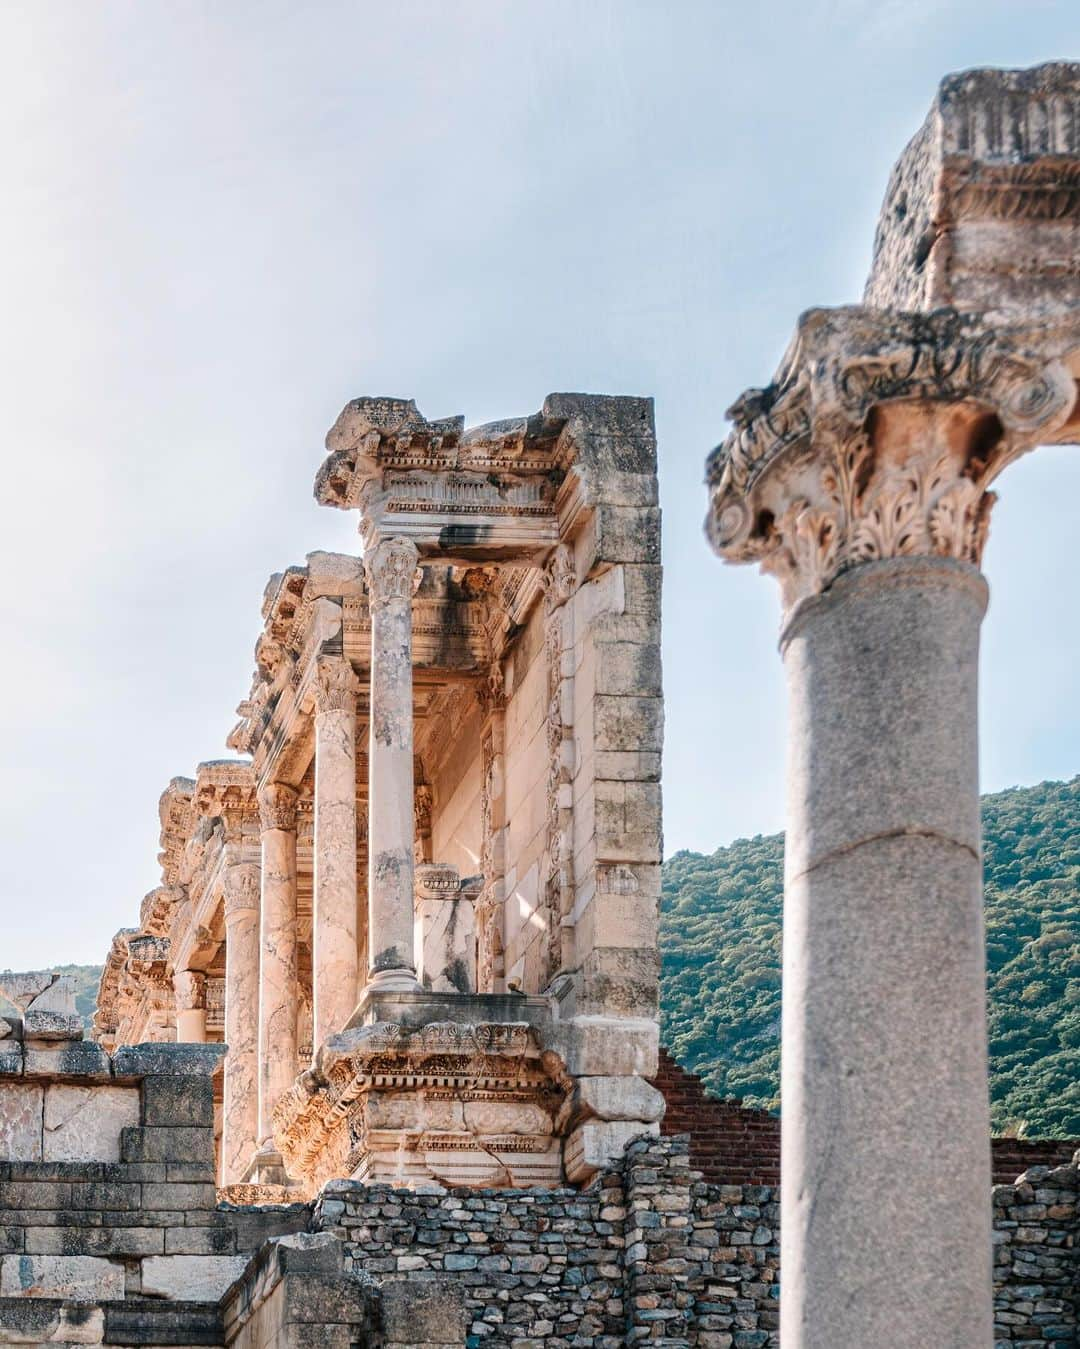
(486,491)
(174,812)
(816,474)
(498,1060)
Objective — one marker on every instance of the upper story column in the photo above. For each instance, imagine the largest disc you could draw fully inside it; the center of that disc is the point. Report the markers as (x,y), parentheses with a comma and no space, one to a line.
(278,985)
(859,479)
(241,1111)
(189,987)
(334,958)
(391,573)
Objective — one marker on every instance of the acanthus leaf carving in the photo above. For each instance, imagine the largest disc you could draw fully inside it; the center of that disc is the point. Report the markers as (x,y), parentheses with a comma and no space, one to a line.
(808,485)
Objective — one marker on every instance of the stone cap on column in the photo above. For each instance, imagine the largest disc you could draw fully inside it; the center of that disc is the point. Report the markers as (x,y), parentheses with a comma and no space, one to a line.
(982,210)
(879,436)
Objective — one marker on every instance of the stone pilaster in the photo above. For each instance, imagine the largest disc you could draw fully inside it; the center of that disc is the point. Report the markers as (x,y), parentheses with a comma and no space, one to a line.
(241,1113)
(278,985)
(189,987)
(391,572)
(334,950)
(859,479)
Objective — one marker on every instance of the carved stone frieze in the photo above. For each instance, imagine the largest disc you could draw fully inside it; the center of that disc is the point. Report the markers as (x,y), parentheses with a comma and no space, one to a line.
(480,494)
(443,1087)
(879,438)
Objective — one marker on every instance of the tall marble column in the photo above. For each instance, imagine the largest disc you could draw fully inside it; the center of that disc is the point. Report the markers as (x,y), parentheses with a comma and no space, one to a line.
(859,479)
(334,955)
(391,572)
(278,985)
(241,1111)
(884,1049)
(189,987)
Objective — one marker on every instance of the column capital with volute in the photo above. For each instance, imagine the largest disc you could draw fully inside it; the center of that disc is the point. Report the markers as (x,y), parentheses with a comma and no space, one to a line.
(879,437)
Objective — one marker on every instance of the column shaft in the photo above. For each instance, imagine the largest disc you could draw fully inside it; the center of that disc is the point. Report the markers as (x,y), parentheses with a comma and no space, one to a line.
(885,1227)
(241,1114)
(392,964)
(334,957)
(278,987)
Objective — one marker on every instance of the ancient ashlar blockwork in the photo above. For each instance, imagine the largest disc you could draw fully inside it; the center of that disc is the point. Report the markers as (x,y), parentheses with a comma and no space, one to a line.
(421,909)
(859,477)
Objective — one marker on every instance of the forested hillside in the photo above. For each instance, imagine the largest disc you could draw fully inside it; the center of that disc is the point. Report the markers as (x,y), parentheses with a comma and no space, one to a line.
(720,939)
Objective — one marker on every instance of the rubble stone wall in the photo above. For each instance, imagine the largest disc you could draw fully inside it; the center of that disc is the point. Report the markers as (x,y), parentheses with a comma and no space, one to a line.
(652,1254)
(648,1253)
(1037,1258)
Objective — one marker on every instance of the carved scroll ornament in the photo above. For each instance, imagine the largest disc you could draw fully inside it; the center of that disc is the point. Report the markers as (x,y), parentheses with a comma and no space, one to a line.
(808,484)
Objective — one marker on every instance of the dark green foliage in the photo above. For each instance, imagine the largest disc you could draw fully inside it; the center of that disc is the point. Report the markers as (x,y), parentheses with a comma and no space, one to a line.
(720,941)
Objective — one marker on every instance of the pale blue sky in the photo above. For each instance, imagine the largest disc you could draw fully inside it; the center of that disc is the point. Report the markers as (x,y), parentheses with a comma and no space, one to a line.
(222,220)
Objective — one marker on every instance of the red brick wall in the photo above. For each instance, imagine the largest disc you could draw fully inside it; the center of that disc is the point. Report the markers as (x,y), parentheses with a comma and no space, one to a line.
(733,1145)
(729,1145)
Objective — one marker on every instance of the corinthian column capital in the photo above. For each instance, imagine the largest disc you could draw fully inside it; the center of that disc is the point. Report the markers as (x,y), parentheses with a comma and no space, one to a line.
(879,438)
(335,686)
(190,989)
(392,572)
(277,806)
(241,888)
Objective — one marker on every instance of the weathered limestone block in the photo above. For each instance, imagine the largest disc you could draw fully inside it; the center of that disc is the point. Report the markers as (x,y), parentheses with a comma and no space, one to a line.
(591,1147)
(47,1002)
(598,1046)
(616,1098)
(83,1124)
(150,1060)
(191,1278)
(72,1058)
(168,1101)
(83,1277)
(983,207)
(21,1111)
(49,1321)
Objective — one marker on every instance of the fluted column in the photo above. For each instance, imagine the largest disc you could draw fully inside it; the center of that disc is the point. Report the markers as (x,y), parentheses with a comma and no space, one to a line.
(278,987)
(241,1112)
(334,957)
(858,479)
(189,987)
(391,573)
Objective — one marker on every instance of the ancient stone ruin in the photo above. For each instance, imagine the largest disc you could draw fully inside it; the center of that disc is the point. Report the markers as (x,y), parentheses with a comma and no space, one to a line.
(378,1064)
(421,910)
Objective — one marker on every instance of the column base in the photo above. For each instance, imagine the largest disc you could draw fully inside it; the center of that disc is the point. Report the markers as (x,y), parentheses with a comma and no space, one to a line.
(267,1167)
(402,980)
